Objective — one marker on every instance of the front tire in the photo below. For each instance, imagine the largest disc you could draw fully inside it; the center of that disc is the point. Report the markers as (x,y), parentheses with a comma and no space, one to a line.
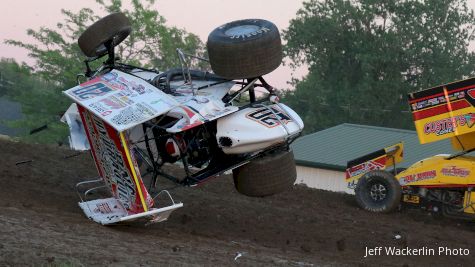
(113,28)
(269,175)
(378,191)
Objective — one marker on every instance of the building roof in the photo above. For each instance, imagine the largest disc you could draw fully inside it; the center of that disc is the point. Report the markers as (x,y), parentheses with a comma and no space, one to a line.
(332,148)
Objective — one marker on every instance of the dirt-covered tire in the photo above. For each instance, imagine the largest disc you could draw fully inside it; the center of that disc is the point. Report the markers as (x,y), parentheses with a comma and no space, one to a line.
(266,176)
(114,27)
(244,49)
(378,191)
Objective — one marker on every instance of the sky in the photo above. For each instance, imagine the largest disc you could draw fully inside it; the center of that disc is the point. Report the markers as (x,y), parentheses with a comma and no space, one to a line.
(199,17)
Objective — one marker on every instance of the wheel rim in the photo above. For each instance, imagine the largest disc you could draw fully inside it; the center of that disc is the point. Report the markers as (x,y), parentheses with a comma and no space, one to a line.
(242,30)
(378,192)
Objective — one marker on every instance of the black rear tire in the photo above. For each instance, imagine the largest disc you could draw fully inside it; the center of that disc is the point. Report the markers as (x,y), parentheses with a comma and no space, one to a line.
(378,191)
(266,176)
(245,49)
(114,27)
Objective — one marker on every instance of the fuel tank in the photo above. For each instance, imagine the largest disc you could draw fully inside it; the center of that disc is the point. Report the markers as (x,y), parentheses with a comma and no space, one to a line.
(256,128)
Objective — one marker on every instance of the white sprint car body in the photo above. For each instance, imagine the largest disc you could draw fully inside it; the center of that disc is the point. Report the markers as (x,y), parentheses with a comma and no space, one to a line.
(136,121)
(111,109)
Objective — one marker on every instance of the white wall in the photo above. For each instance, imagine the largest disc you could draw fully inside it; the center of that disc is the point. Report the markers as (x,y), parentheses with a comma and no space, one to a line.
(322,179)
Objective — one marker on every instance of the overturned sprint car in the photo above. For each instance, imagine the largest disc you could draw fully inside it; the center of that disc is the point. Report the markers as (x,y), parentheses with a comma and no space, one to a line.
(136,120)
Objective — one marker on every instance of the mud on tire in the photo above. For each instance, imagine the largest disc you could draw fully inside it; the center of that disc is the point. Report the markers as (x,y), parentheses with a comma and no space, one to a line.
(266,176)
(245,49)
(114,27)
(378,191)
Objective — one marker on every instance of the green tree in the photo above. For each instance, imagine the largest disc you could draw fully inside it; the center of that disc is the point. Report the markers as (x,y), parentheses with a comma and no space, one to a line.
(58,58)
(364,56)
(38,108)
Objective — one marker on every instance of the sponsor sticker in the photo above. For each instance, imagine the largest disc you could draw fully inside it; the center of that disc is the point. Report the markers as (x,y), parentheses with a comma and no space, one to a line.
(90,91)
(98,107)
(455,171)
(103,208)
(432,102)
(411,199)
(365,167)
(267,117)
(411,178)
(449,125)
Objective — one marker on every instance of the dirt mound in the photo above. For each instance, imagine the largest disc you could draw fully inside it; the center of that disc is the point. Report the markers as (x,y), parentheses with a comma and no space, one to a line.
(41,224)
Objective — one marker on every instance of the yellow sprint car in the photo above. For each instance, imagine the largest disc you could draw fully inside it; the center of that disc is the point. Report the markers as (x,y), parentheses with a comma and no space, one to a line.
(444,182)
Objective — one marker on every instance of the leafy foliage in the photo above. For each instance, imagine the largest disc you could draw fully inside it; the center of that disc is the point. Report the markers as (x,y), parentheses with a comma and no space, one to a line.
(58,58)
(364,56)
(18,83)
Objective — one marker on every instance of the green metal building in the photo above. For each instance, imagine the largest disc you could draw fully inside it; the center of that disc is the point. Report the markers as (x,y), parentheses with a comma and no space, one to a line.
(321,157)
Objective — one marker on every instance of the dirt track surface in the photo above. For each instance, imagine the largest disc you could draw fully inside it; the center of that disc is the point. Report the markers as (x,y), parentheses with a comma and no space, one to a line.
(41,224)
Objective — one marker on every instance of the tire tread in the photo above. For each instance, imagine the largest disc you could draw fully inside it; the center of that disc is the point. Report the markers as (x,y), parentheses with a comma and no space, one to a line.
(266,176)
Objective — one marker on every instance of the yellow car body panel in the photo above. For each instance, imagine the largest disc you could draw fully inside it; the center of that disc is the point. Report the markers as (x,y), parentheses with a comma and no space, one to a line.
(439,171)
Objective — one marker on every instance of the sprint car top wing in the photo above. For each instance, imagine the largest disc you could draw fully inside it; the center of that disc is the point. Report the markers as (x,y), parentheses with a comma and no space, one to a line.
(121,100)
(124,101)
(444,111)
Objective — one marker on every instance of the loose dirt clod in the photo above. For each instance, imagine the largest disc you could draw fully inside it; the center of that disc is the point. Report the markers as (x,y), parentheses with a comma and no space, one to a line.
(23,162)
(340,244)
